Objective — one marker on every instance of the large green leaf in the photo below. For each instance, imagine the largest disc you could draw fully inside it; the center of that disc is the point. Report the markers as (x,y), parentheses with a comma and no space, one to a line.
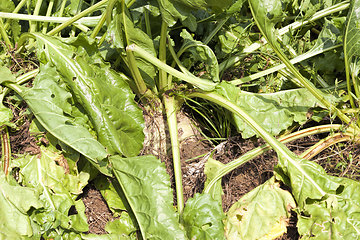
(147,189)
(274,111)
(203,218)
(260,214)
(337,217)
(104,94)
(15,204)
(49,103)
(329,206)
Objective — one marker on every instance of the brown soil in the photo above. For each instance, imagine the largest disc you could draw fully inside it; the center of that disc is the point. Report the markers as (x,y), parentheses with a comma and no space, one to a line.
(97,211)
(237,183)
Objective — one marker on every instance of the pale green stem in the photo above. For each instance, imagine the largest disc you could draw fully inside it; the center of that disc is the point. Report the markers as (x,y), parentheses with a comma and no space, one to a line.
(262,149)
(170,107)
(106,16)
(102,39)
(48,13)
(88,21)
(354,77)
(20,80)
(130,3)
(99,25)
(4,34)
(295,60)
(77,17)
(147,23)
(177,60)
(139,81)
(6,149)
(206,85)
(163,81)
(36,13)
(285,155)
(62,8)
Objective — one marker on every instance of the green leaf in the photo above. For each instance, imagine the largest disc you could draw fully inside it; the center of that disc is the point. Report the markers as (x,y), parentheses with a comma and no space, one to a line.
(203,218)
(110,195)
(217,5)
(104,94)
(266,14)
(328,206)
(58,191)
(352,45)
(352,32)
(6,75)
(336,217)
(122,31)
(171,11)
(308,179)
(49,103)
(275,111)
(15,204)
(260,214)
(122,225)
(200,53)
(211,170)
(147,189)
(6,6)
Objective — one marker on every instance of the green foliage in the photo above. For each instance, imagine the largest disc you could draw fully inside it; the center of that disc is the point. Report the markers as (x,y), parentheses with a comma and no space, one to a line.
(122,225)
(260,214)
(16,211)
(200,52)
(203,218)
(274,111)
(46,101)
(323,200)
(123,32)
(146,187)
(103,93)
(83,97)
(111,196)
(39,205)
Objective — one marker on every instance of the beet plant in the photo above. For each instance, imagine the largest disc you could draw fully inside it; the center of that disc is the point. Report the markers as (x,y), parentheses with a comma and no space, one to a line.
(103,65)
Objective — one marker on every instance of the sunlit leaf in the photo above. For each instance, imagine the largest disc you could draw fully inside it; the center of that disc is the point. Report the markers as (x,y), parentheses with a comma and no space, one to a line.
(274,111)
(263,213)
(146,186)
(203,218)
(104,94)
